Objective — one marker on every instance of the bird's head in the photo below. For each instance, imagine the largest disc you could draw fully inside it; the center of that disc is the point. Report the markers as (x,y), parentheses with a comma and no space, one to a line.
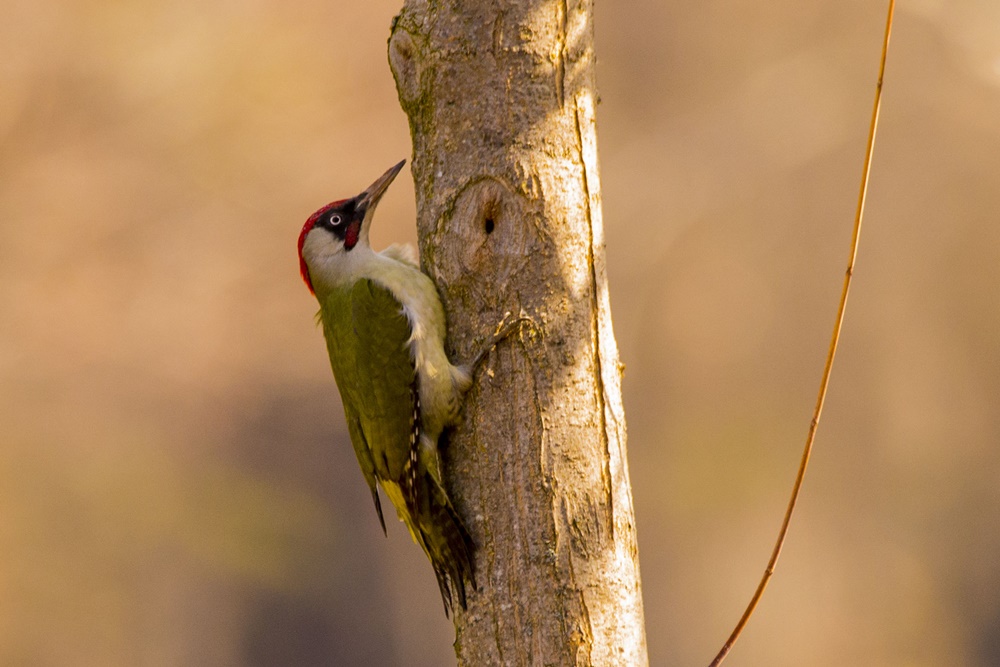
(340,227)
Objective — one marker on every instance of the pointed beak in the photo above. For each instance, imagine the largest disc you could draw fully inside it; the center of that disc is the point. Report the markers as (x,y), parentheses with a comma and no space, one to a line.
(369,198)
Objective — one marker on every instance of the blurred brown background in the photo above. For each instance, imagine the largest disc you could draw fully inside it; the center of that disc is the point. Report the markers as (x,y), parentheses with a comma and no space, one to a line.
(176,486)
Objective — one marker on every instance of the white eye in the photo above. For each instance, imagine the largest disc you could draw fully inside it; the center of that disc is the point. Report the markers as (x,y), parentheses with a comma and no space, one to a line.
(335,220)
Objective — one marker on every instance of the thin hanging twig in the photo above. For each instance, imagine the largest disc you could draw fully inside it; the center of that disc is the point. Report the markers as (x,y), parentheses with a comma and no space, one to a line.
(824,383)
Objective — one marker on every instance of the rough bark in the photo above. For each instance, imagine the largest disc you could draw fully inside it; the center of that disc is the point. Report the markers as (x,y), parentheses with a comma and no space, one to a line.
(501,102)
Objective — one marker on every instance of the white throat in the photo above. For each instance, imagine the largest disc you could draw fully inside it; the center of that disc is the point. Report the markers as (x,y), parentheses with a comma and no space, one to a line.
(332,265)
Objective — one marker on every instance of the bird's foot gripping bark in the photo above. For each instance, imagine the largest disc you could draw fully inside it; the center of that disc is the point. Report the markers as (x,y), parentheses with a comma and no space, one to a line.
(508,325)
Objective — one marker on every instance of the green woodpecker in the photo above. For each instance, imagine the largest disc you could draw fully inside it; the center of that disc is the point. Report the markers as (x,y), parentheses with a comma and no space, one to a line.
(385,327)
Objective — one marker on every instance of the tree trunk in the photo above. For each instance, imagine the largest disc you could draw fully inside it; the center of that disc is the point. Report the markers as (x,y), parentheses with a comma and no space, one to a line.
(501,100)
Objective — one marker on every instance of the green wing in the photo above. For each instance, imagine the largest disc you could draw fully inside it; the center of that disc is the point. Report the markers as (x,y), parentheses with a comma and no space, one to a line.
(364,454)
(367,337)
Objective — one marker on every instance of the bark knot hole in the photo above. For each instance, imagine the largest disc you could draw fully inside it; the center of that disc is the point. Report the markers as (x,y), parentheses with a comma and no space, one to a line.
(489,220)
(490,235)
(491,207)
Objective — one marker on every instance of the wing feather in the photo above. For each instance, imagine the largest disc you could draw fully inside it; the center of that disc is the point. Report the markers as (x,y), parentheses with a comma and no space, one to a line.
(366,334)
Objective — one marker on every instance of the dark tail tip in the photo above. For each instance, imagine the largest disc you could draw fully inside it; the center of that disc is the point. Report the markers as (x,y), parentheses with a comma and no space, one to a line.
(453,561)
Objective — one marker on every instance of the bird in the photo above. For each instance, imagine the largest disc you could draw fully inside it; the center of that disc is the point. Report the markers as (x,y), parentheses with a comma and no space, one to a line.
(385,328)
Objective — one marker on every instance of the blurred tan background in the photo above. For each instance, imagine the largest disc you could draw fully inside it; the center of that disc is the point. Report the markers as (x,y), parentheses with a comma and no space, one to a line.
(176,486)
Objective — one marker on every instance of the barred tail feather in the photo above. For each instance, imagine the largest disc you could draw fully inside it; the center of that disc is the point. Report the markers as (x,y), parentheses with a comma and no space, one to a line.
(423,504)
(448,545)
(436,527)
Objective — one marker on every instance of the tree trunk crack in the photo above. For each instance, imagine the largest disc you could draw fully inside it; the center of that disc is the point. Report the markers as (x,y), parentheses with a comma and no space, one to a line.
(560,56)
(595,325)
